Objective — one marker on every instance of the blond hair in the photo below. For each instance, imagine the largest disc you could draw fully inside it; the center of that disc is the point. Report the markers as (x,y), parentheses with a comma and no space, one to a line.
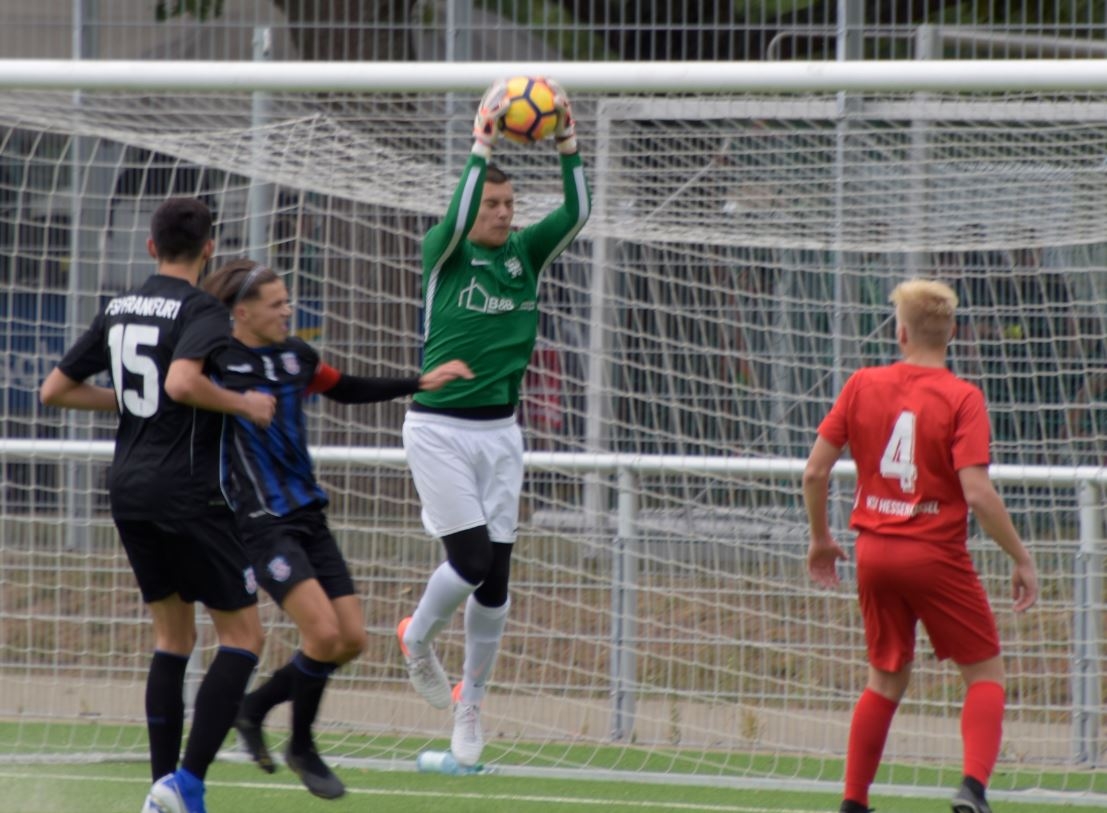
(927,308)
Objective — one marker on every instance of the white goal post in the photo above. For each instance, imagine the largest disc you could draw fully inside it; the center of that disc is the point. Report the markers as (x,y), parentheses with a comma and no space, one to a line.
(1028,75)
(749,222)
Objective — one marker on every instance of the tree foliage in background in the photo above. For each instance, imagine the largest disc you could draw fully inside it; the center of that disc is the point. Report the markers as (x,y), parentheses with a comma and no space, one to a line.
(370,30)
(556,23)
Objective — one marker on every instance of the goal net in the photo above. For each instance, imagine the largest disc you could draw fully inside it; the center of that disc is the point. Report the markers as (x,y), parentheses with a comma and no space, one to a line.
(736,269)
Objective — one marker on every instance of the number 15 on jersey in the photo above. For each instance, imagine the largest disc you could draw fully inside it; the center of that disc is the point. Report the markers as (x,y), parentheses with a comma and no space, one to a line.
(124,342)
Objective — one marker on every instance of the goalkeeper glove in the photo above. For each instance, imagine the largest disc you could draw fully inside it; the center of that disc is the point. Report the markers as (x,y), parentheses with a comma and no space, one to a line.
(566,133)
(486,125)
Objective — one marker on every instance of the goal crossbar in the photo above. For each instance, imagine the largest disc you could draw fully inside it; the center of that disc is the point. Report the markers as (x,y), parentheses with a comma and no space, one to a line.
(637,77)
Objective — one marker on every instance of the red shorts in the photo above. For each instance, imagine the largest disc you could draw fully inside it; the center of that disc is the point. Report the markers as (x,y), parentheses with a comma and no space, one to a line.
(901,582)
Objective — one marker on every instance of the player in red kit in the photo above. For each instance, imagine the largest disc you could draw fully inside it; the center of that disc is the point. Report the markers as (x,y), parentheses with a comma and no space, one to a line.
(919,437)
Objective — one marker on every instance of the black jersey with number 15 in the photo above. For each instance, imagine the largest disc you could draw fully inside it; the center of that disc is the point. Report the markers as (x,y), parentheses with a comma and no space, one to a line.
(166,462)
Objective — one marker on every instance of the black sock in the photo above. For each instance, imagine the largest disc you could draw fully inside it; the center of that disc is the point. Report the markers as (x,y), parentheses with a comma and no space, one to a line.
(217,705)
(307,693)
(165,711)
(273,692)
(974,785)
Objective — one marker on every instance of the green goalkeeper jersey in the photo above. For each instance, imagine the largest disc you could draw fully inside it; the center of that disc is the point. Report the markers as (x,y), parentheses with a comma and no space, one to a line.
(480,304)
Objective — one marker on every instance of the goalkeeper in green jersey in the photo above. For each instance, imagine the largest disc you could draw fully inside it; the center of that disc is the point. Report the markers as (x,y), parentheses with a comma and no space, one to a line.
(464,447)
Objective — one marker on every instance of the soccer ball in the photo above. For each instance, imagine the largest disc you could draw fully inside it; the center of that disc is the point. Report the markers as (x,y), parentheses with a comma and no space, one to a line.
(531,115)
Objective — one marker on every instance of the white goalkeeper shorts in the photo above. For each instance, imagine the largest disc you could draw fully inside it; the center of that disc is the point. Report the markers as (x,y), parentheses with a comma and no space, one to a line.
(467,473)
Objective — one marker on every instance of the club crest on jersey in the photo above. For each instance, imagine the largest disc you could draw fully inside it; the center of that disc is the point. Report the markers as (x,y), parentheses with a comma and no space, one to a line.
(514,267)
(279,569)
(251,580)
(290,363)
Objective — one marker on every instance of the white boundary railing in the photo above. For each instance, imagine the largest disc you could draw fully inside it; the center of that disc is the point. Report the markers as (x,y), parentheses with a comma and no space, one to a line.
(581,462)
(1087,482)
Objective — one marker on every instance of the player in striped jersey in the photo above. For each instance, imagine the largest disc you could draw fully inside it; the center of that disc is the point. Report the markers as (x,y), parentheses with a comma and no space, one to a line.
(919,437)
(464,447)
(269,480)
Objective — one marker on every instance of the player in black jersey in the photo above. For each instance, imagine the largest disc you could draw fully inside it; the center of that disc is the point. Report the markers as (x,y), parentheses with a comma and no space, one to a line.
(178,533)
(269,479)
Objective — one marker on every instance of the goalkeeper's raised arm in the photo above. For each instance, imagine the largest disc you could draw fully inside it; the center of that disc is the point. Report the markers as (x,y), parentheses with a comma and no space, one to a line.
(446,237)
(546,239)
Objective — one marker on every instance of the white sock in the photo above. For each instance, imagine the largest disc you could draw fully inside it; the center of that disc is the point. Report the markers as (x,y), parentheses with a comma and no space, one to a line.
(484,629)
(444,593)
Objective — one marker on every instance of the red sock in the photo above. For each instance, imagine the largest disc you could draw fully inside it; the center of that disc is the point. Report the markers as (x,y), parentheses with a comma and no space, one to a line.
(868,731)
(982,729)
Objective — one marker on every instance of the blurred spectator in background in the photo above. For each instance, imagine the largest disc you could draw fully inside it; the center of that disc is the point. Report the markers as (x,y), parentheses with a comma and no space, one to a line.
(1019,343)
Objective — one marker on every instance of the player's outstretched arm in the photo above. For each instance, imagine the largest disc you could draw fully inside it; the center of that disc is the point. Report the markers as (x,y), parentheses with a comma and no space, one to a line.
(350,389)
(988,508)
(186,383)
(823,552)
(59,390)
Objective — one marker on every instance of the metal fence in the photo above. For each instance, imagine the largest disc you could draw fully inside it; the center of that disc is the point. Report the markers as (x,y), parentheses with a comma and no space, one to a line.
(544,30)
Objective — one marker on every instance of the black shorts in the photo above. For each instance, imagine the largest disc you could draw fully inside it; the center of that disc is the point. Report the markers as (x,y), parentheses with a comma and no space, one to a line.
(201,559)
(288,550)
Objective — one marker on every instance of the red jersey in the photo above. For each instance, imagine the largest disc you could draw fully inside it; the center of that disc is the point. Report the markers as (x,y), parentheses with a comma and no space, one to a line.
(910,429)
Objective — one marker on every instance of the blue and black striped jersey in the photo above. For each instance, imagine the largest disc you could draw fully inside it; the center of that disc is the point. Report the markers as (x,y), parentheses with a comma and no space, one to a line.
(269,471)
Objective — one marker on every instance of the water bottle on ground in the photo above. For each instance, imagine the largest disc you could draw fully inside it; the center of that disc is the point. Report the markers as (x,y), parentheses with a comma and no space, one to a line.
(443,762)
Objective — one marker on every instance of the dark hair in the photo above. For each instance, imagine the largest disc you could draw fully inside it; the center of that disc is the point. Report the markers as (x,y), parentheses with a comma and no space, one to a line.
(180,228)
(237,281)
(495,175)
